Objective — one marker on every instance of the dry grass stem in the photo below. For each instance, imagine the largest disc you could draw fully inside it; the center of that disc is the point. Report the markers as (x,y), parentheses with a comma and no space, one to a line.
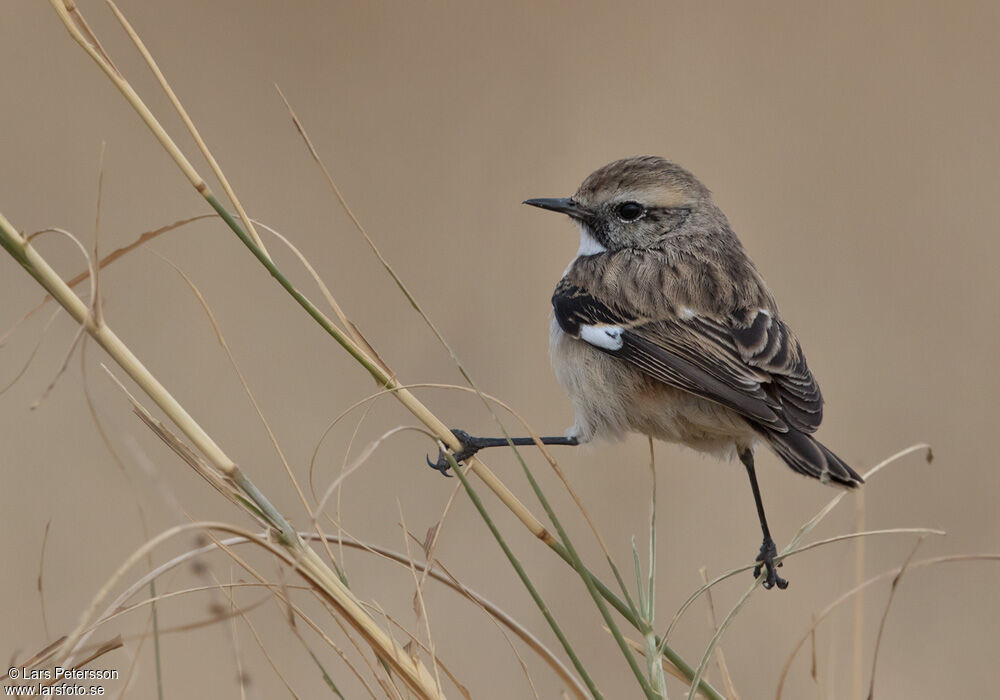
(418,597)
(357,349)
(414,643)
(503,632)
(95,300)
(393,661)
(791,549)
(885,614)
(814,665)
(858,647)
(305,560)
(817,619)
(802,532)
(667,666)
(40,586)
(413,302)
(359,461)
(31,355)
(118,606)
(108,259)
(720,657)
(267,655)
(202,146)
(80,327)
(242,676)
(239,374)
(89,43)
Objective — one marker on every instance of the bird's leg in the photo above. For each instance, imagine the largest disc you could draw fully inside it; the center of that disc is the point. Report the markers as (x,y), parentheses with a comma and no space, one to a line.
(768,550)
(471,445)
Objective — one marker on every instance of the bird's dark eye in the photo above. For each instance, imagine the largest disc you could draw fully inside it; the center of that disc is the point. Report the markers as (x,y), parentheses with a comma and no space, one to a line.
(630,211)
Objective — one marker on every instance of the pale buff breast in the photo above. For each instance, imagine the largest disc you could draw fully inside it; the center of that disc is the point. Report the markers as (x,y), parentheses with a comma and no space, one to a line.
(610,398)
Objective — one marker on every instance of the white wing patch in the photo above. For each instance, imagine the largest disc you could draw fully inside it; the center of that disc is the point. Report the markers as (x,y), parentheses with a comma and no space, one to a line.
(604,337)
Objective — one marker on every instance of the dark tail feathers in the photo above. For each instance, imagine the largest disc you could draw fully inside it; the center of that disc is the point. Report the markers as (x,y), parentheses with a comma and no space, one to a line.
(807,456)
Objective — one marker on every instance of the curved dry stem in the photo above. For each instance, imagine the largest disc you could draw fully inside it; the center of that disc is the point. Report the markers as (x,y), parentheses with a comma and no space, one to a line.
(790,550)
(933,561)
(78,635)
(430,542)
(279,593)
(81,327)
(500,626)
(419,604)
(858,645)
(80,331)
(239,374)
(267,656)
(359,462)
(220,617)
(106,439)
(811,524)
(17,324)
(243,536)
(444,343)
(713,623)
(95,299)
(717,637)
(799,550)
(324,290)
(485,397)
(885,613)
(124,250)
(429,650)
(62,8)
(31,355)
(202,146)
(444,577)
(104,262)
(360,353)
(41,572)
(336,648)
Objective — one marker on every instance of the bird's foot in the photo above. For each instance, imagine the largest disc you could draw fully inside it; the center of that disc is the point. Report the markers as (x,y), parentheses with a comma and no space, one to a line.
(768,551)
(470,446)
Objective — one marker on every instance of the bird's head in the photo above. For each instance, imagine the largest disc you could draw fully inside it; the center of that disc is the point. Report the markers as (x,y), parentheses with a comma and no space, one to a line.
(631,203)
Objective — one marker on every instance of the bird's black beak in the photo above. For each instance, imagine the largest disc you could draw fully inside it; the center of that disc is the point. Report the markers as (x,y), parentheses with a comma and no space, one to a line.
(565,205)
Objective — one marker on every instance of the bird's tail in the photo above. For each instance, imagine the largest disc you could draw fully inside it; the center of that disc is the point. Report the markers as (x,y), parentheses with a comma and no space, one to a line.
(808,456)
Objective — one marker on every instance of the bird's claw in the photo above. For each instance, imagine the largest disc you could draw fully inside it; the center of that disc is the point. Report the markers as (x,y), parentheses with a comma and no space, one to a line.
(440,465)
(468,449)
(768,551)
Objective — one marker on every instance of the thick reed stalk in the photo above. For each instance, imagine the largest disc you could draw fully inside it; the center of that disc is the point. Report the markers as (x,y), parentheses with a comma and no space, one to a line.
(357,348)
(413,673)
(380,373)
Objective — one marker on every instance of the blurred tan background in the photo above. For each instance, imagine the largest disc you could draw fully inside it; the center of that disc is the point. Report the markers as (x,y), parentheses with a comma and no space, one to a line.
(853,146)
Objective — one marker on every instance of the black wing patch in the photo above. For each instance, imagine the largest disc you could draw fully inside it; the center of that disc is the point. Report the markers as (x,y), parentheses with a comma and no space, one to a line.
(574,307)
(768,344)
(752,364)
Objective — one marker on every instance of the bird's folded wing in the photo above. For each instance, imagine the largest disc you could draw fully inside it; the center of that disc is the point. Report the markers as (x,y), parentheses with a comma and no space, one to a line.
(749,362)
(768,344)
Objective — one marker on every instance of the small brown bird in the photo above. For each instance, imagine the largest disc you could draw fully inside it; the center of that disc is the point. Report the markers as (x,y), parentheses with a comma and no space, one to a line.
(663,326)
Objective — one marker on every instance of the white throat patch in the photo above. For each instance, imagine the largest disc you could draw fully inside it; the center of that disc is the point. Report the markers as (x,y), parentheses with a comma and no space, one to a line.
(588,244)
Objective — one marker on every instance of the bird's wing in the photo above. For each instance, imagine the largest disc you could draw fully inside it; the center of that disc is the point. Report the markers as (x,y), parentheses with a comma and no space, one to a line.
(750,362)
(766,343)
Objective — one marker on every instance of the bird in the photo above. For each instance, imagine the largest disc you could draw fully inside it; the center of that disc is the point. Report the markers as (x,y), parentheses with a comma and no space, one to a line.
(663,326)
